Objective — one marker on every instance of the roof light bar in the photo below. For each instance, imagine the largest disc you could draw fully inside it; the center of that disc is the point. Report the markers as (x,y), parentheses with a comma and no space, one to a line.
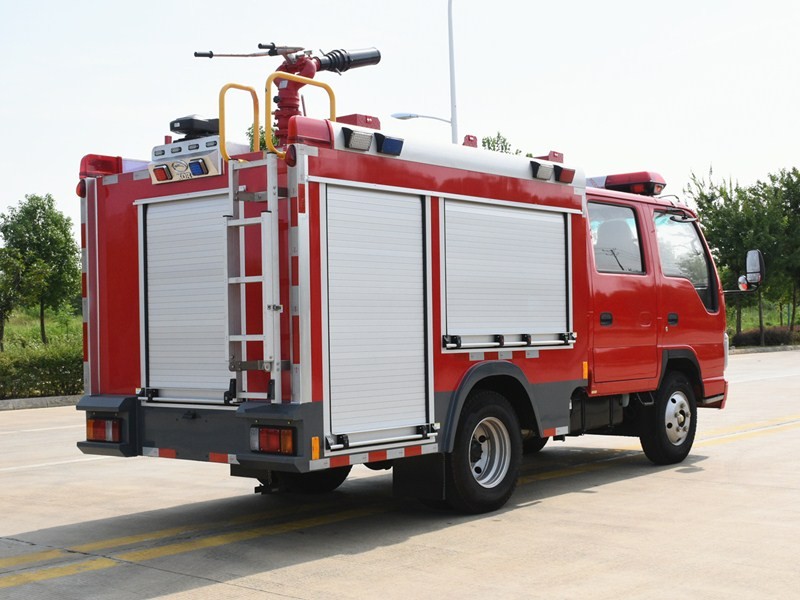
(357,140)
(564,175)
(541,171)
(645,183)
(94,165)
(388,145)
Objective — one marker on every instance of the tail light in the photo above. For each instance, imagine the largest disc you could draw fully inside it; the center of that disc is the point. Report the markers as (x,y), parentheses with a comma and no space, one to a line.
(272,440)
(103,430)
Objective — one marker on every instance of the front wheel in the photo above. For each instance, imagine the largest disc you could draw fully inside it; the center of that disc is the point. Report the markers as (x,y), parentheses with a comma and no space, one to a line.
(483,468)
(669,425)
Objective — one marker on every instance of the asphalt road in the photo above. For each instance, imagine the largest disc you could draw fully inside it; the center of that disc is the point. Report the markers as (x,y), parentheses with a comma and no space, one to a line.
(591,518)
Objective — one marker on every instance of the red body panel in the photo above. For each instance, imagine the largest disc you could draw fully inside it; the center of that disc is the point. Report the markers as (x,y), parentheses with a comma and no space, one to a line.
(449,368)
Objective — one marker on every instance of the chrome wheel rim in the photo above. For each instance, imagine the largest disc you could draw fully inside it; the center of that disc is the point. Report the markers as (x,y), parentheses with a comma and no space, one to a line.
(677,418)
(490,452)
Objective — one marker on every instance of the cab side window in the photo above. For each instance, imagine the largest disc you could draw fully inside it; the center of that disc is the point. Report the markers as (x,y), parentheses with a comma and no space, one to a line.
(682,254)
(615,239)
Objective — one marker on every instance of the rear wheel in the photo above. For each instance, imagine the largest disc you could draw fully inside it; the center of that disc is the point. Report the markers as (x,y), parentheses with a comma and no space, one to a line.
(533,445)
(669,425)
(482,470)
(314,482)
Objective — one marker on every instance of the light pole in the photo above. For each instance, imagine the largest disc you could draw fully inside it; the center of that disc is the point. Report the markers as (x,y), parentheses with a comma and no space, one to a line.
(453,116)
(404,116)
(453,120)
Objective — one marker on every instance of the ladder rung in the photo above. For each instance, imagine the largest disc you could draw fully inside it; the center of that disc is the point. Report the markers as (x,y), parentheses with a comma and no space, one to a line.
(244,222)
(247,279)
(248,337)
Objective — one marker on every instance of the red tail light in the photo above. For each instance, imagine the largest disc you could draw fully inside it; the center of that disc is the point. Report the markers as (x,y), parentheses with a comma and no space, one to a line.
(272,440)
(103,430)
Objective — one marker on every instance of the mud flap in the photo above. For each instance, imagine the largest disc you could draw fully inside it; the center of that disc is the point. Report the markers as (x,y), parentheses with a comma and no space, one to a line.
(420,477)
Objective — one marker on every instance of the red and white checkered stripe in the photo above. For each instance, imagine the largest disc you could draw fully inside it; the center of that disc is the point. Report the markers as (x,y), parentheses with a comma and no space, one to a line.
(344,460)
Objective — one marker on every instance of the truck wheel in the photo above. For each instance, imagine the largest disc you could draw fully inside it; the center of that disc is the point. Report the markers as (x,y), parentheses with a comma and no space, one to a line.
(315,482)
(533,445)
(482,471)
(669,425)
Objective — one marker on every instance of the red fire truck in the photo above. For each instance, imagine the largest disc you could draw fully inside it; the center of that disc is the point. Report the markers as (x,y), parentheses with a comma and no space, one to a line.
(348,296)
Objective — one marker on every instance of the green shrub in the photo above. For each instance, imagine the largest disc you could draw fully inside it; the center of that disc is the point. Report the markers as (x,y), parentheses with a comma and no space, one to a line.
(773,336)
(38,370)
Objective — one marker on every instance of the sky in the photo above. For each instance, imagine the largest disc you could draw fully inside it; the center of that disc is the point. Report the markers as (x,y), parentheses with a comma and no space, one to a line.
(678,87)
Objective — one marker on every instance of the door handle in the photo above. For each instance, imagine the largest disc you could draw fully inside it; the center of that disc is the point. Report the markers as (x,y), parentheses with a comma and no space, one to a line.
(672,319)
(606,319)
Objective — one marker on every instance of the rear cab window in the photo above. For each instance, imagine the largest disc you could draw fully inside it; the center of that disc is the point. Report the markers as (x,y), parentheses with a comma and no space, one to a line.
(616,240)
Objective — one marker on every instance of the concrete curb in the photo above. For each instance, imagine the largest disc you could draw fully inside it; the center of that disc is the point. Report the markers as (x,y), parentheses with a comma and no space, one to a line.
(759,349)
(48,402)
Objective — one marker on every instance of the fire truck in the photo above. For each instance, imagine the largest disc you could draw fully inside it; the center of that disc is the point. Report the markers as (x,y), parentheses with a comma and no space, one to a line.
(347,296)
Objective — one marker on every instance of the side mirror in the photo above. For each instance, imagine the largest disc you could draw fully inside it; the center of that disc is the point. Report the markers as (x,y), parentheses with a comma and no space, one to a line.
(755,271)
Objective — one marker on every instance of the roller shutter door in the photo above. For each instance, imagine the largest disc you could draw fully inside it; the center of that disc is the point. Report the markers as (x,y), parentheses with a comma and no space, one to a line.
(506,270)
(187,297)
(376,313)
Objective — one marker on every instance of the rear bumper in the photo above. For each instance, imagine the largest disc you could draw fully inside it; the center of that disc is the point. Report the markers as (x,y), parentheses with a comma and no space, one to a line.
(202,432)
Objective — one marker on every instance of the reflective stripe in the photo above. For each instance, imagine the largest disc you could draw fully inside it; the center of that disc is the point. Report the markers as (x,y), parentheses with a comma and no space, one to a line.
(159,452)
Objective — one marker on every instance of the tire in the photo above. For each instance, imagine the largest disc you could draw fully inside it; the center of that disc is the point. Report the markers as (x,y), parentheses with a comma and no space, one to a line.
(533,445)
(482,471)
(315,482)
(668,426)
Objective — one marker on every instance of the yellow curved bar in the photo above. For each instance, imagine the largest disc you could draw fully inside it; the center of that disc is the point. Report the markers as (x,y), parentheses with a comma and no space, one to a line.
(256,146)
(298,78)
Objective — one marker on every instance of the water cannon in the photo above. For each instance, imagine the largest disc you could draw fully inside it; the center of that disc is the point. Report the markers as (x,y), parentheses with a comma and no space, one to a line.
(299,62)
(271,50)
(340,61)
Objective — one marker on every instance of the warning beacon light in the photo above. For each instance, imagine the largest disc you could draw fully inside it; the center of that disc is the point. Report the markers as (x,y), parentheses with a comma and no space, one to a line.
(644,183)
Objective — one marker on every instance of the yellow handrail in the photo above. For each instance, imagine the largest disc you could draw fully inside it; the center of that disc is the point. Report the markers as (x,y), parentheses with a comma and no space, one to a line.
(298,78)
(256,146)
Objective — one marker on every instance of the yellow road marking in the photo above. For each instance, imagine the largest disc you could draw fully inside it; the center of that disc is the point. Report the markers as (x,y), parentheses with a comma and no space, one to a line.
(145,537)
(56,572)
(240,536)
(753,426)
(97,564)
(748,434)
(22,559)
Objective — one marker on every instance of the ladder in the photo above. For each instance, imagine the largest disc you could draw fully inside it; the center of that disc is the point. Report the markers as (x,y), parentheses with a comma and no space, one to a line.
(238,281)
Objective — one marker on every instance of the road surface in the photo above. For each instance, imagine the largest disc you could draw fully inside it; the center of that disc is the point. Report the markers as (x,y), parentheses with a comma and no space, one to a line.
(591,518)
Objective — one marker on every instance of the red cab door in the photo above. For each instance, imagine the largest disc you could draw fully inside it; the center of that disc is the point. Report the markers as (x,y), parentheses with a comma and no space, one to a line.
(624,292)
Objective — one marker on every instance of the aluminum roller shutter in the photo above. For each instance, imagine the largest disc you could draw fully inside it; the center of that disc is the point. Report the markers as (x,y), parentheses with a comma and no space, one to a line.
(376,312)
(506,270)
(187,297)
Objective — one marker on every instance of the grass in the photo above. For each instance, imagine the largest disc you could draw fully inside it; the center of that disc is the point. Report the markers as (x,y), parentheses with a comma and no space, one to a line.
(29,368)
(772,316)
(22,329)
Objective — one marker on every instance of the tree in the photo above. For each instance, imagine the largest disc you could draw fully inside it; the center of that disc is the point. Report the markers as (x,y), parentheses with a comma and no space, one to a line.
(721,216)
(736,219)
(42,238)
(499,143)
(262,137)
(785,189)
(11,268)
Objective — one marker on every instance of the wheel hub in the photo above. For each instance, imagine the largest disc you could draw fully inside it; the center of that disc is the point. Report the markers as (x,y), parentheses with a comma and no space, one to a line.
(490,452)
(677,418)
